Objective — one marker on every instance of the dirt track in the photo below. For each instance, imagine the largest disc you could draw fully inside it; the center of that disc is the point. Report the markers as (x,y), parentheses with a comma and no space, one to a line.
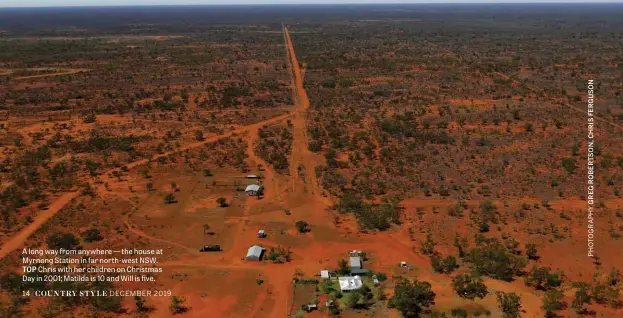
(18,239)
(68,72)
(300,150)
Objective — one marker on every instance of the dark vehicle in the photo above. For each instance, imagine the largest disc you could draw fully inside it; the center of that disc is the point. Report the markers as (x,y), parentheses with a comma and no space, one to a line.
(211,248)
(45,205)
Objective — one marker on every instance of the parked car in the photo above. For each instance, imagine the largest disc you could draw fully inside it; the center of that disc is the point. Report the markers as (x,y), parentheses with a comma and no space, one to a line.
(211,248)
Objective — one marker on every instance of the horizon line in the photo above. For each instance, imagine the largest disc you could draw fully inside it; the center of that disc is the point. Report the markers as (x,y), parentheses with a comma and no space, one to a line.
(528,2)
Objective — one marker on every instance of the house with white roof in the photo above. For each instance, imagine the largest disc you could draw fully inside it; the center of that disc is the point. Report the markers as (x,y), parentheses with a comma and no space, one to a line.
(348,283)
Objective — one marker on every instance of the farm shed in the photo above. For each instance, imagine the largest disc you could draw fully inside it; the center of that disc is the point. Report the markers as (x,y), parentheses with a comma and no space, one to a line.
(252,190)
(255,253)
(354,253)
(356,265)
(327,274)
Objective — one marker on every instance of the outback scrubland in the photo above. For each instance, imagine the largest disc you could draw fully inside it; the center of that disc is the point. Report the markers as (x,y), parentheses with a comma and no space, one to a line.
(451,138)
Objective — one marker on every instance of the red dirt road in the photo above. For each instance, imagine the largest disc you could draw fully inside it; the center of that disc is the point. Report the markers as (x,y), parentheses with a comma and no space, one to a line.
(300,150)
(67,72)
(18,239)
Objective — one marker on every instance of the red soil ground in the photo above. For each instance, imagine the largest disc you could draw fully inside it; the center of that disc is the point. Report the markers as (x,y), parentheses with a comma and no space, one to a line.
(229,283)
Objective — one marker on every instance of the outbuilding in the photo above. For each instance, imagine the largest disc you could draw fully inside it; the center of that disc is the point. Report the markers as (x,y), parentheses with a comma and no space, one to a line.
(356,265)
(354,253)
(253,190)
(255,253)
(310,307)
(327,274)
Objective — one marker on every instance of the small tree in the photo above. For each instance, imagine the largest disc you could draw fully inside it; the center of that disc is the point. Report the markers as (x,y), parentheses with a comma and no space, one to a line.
(206,228)
(448,264)
(145,172)
(428,246)
(92,235)
(342,267)
(553,300)
(531,252)
(381,276)
(63,240)
(551,314)
(177,305)
(169,198)
(614,277)
(581,297)
(302,226)
(459,313)
(596,259)
(140,304)
(483,227)
(411,298)
(222,202)
(460,244)
(491,258)
(569,165)
(470,287)
(199,135)
(353,300)
(510,304)
(604,294)
(542,278)
(207,172)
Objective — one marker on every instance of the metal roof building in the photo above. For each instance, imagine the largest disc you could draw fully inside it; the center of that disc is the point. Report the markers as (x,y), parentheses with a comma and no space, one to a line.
(348,283)
(252,189)
(255,253)
(355,261)
(356,265)
(327,274)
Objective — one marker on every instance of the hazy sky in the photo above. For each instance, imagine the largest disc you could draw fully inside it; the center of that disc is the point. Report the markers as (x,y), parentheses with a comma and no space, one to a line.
(49,3)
